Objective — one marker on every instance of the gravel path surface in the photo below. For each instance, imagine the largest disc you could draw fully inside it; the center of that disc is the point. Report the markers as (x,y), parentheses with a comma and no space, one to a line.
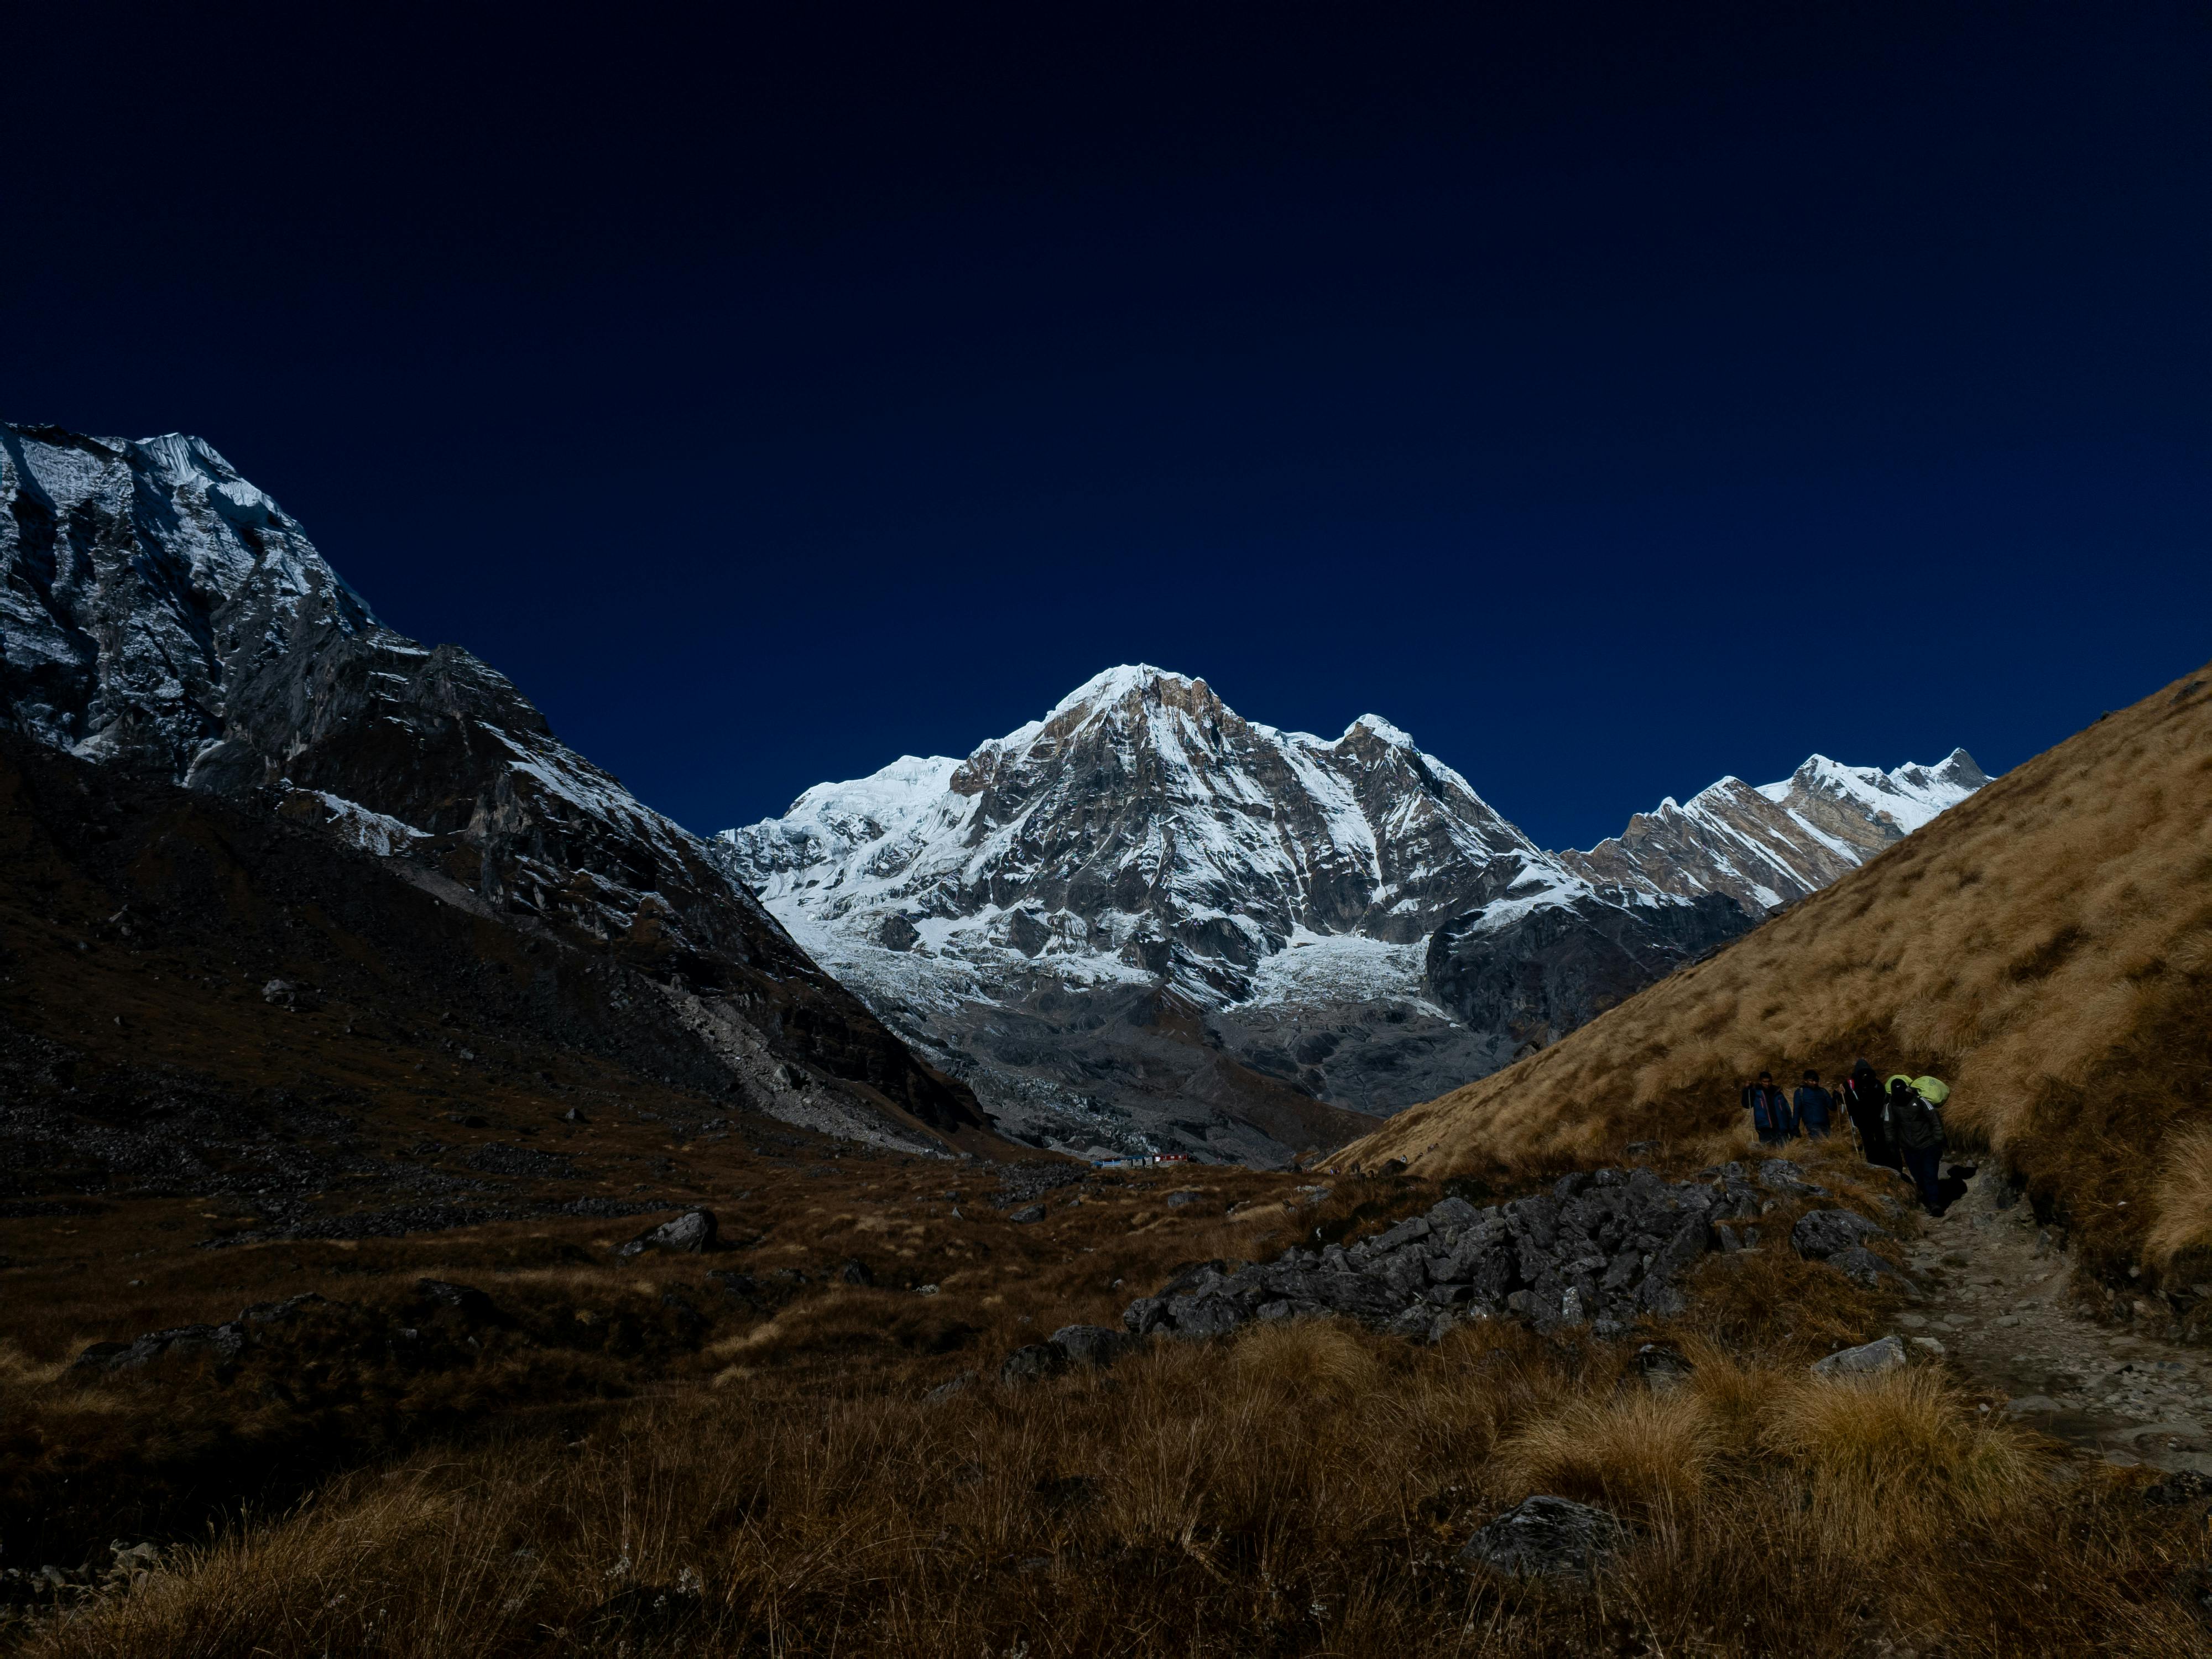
(1998,1301)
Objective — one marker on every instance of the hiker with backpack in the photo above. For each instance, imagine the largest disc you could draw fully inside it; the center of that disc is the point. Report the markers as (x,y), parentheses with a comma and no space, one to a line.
(1812,1104)
(1865,1099)
(1917,1128)
(1770,1115)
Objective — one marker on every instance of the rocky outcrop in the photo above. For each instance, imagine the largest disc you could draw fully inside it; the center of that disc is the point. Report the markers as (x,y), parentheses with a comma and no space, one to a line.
(1601,1250)
(1144,921)
(158,612)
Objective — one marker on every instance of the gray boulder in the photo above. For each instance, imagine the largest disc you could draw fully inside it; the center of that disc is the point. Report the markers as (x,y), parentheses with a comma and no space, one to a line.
(1546,1537)
(1028,1217)
(1869,1360)
(688,1234)
(221,1343)
(1032,1363)
(1200,1316)
(1779,1175)
(1090,1345)
(1453,1212)
(1867,1268)
(1145,1316)
(1821,1234)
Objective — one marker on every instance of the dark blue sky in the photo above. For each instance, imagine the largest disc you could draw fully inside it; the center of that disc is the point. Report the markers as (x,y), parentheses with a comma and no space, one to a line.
(1614,396)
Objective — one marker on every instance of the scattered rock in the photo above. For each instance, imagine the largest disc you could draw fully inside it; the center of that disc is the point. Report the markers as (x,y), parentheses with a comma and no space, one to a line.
(1090,1345)
(690,1234)
(1546,1537)
(1661,1367)
(959,1384)
(1032,1363)
(1863,1267)
(855,1272)
(293,999)
(2183,1486)
(1024,1218)
(1178,1200)
(221,1343)
(1869,1360)
(1779,1175)
(1821,1234)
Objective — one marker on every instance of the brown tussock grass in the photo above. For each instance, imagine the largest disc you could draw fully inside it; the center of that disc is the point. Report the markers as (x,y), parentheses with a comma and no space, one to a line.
(2045,947)
(1634,1452)
(1305,1489)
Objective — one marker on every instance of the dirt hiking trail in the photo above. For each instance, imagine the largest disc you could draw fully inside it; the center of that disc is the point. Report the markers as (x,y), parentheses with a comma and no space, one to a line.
(1998,1299)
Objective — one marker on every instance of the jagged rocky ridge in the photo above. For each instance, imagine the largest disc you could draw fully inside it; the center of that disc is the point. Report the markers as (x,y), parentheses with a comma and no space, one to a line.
(1143,920)
(158,612)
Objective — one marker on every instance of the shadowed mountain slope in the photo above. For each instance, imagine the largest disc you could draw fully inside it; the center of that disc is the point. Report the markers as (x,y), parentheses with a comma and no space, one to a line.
(2046,947)
(160,613)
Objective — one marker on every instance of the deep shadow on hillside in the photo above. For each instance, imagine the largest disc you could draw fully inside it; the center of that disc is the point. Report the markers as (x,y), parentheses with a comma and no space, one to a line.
(2046,947)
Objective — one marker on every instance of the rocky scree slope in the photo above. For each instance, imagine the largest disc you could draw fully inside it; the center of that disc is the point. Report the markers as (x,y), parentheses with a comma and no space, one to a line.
(1143,920)
(158,609)
(2045,947)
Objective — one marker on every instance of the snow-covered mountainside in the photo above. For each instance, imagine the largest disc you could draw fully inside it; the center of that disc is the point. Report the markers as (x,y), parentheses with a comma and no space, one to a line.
(159,611)
(1144,920)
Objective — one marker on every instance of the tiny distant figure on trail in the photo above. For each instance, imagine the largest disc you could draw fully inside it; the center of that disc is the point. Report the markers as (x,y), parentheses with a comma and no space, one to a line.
(1918,1126)
(1812,1104)
(1867,1101)
(1769,1111)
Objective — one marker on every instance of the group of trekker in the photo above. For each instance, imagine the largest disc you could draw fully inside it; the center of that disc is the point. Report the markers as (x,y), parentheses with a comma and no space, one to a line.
(1899,1123)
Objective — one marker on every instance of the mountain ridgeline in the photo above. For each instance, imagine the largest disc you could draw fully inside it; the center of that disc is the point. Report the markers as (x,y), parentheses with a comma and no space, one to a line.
(160,616)
(1140,922)
(1144,920)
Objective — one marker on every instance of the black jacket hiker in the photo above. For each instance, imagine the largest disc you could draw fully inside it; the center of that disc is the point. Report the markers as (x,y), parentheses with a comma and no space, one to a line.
(1863,1099)
(1920,1138)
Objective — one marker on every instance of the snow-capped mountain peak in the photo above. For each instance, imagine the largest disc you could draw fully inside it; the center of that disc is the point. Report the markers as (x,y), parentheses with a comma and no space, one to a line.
(1348,914)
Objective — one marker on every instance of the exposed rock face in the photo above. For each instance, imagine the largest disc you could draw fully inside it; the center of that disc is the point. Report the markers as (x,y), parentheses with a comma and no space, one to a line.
(1556,966)
(158,611)
(1146,921)
(1774,844)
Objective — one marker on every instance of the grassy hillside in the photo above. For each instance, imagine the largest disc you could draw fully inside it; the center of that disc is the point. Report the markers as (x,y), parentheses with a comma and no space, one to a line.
(2046,947)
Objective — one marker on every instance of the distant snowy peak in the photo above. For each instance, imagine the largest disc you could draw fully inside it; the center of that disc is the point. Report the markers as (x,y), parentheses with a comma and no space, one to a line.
(1770,845)
(1908,797)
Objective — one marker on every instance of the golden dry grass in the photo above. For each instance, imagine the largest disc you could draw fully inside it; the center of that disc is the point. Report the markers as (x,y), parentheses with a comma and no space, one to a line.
(1203,1499)
(2046,947)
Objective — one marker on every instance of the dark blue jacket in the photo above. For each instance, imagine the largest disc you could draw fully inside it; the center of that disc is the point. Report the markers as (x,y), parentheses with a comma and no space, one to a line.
(1770,1109)
(1812,1106)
